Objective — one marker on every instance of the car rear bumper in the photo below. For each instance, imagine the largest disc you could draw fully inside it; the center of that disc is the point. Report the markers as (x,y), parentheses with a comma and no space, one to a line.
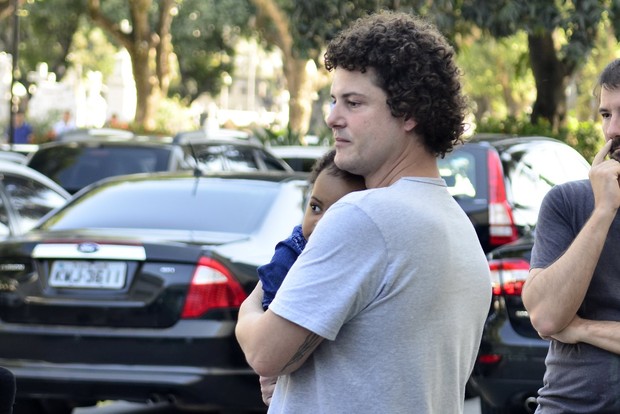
(516,374)
(195,363)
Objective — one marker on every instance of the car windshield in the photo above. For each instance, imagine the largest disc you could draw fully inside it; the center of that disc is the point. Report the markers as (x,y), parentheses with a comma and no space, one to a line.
(74,167)
(213,205)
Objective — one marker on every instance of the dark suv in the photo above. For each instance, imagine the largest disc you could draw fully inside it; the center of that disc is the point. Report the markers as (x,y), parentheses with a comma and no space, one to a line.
(500,182)
(76,162)
(511,361)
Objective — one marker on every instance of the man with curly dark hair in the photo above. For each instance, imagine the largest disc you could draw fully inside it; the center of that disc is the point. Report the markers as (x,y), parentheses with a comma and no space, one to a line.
(383,310)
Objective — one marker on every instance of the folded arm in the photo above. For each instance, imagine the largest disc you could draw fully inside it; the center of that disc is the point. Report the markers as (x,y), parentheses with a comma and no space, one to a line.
(553,295)
(272,345)
(602,334)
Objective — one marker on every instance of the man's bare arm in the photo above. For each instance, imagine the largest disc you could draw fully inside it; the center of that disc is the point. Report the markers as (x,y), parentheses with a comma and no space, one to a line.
(602,334)
(553,295)
(272,345)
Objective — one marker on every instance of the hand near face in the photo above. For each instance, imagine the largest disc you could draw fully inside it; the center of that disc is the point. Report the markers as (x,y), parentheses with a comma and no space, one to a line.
(604,176)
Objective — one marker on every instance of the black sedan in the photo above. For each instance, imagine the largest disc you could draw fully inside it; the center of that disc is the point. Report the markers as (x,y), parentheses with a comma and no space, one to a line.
(131,291)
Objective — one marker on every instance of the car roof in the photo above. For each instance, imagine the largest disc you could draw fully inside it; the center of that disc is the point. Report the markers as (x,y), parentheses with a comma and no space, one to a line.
(301,151)
(496,139)
(21,169)
(149,140)
(89,133)
(212,134)
(270,175)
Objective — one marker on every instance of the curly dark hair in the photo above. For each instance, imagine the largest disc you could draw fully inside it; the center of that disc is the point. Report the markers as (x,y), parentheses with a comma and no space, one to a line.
(326,162)
(415,67)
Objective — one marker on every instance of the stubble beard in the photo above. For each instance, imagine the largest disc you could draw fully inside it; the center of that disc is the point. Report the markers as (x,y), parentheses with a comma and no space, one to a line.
(614,151)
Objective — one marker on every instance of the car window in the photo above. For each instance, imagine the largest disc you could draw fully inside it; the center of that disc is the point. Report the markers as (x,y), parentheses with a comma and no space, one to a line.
(227,206)
(31,199)
(533,171)
(271,162)
(76,167)
(458,169)
(225,157)
(5,230)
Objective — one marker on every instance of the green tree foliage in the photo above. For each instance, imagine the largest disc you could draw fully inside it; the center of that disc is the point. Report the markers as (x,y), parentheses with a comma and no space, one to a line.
(38,20)
(553,63)
(204,34)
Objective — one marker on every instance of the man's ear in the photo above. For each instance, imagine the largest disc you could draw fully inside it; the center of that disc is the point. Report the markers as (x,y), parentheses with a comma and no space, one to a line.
(409,124)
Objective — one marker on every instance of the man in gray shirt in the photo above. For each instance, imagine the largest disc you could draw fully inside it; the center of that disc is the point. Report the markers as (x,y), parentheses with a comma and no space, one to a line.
(383,311)
(572,293)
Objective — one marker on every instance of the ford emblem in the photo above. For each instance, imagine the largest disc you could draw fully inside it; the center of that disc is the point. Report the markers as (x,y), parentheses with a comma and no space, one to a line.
(88,247)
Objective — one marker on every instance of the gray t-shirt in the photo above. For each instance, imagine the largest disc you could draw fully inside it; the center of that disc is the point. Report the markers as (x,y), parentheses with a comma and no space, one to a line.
(580,378)
(396,282)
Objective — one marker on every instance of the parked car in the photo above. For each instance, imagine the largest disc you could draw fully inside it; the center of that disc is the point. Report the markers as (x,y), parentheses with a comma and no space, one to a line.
(300,157)
(511,363)
(89,133)
(131,290)
(500,181)
(76,163)
(25,197)
(13,156)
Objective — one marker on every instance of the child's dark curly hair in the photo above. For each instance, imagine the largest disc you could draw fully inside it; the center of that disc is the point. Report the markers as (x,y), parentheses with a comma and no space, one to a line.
(415,67)
(326,162)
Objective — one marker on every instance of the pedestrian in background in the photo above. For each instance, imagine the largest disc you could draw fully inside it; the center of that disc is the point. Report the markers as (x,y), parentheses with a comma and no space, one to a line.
(64,124)
(383,311)
(572,293)
(23,133)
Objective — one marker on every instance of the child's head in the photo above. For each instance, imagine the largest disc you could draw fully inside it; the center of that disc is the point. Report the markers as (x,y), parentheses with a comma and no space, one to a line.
(329,184)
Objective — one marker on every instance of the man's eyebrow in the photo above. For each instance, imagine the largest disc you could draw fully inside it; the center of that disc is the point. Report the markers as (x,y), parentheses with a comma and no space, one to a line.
(349,95)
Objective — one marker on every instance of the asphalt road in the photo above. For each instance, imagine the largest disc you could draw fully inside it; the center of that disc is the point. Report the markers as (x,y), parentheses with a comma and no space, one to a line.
(472,406)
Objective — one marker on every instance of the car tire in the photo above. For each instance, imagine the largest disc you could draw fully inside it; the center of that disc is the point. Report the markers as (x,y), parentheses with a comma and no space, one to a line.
(41,406)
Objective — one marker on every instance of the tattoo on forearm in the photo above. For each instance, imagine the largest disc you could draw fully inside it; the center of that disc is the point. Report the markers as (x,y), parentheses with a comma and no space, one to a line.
(312,340)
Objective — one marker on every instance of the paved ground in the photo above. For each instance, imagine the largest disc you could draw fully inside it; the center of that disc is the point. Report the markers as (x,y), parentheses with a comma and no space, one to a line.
(472,406)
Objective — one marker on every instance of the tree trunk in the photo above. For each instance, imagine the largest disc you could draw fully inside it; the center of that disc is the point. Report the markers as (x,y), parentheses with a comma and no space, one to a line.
(300,89)
(551,78)
(149,50)
(299,83)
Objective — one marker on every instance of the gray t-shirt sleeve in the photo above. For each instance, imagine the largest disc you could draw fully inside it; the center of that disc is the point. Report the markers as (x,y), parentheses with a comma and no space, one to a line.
(338,274)
(555,228)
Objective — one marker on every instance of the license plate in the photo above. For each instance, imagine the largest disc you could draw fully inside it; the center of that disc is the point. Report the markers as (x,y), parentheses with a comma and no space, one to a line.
(82,274)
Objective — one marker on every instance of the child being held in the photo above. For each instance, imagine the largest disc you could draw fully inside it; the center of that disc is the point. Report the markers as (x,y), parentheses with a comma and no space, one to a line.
(329,184)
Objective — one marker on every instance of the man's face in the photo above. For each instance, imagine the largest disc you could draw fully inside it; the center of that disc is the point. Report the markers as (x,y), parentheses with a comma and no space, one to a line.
(368,138)
(609,108)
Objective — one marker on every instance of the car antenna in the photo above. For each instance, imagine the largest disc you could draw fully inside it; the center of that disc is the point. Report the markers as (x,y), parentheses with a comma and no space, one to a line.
(197,170)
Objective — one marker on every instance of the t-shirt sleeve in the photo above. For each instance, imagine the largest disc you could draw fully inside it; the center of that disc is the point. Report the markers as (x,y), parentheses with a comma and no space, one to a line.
(554,230)
(339,273)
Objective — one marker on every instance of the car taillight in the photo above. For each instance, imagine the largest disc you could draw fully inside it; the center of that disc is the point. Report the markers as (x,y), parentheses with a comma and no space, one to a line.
(502,229)
(213,286)
(508,276)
